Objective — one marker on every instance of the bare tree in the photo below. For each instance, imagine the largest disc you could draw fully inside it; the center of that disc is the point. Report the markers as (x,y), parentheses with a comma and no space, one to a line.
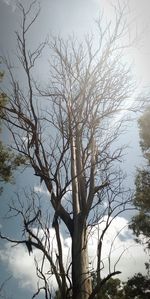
(68,133)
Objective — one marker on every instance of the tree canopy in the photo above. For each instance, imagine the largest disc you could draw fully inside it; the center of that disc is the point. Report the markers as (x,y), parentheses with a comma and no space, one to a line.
(9,161)
(137,287)
(68,130)
(141,222)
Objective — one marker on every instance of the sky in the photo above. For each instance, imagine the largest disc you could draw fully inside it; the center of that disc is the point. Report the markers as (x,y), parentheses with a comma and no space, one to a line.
(65,17)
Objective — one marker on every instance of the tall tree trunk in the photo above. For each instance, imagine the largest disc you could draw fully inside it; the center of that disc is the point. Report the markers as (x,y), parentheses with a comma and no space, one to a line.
(82,286)
(81,279)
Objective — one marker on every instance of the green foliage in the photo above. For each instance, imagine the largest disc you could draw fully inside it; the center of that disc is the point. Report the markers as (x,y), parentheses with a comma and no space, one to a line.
(137,287)
(8,160)
(3,97)
(112,289)
(144,124)
(141,225)
(1,75)
(141,222)
(5,164)
(142,195)
(3,102)
(8,163)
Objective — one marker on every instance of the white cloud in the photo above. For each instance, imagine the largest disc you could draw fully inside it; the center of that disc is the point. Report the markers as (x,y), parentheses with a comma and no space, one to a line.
(40,189)
(22,265)
(11,3)
(115,244)
(7,2)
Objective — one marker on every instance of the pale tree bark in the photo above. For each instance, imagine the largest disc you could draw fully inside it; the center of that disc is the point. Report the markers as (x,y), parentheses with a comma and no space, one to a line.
(82,286)
(68,143)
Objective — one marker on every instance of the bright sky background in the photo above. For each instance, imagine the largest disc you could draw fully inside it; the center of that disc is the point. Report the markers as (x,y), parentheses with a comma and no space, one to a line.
(64,17)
